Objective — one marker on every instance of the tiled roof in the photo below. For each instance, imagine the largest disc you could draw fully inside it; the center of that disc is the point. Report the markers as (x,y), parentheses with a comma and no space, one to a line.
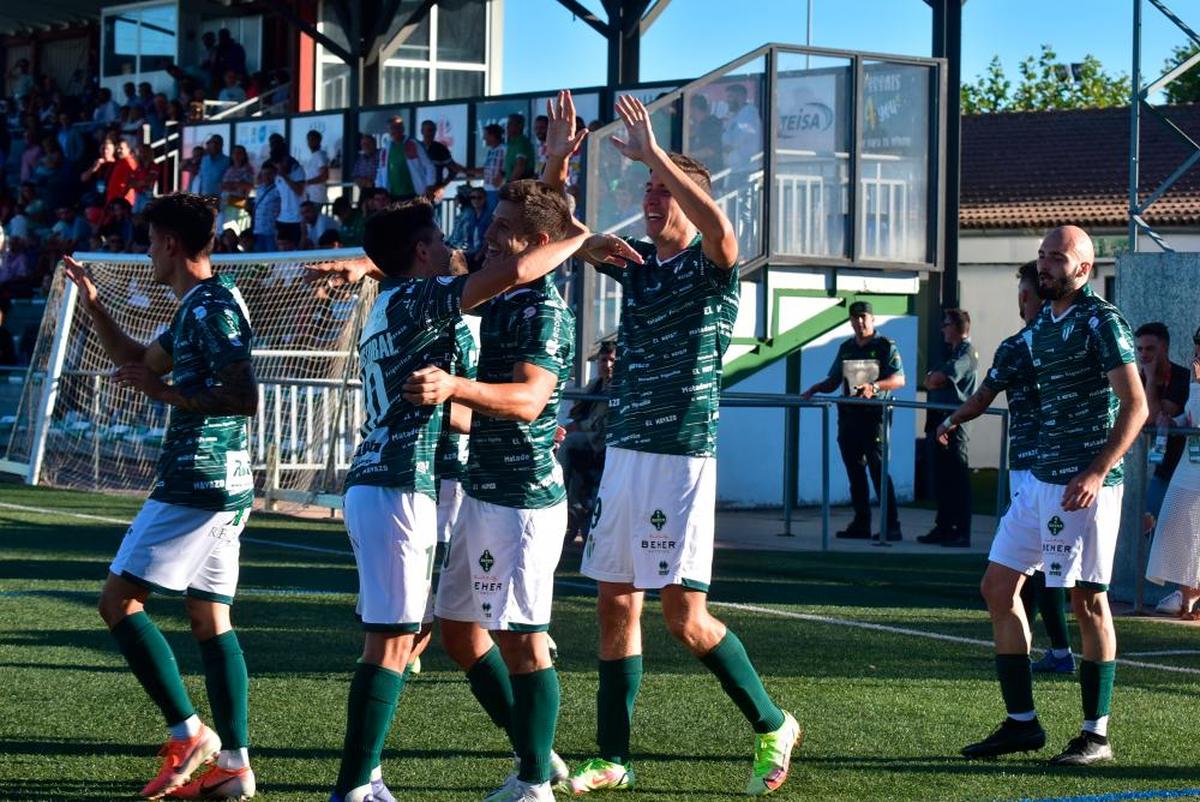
(1040,169)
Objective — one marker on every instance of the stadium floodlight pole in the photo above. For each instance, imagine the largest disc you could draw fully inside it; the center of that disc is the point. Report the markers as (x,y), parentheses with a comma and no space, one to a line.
(58,356)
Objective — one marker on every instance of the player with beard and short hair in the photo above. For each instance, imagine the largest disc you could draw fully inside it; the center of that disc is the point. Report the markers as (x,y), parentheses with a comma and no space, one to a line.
(654,518)
(390,507)
(185,539)
(1066,517)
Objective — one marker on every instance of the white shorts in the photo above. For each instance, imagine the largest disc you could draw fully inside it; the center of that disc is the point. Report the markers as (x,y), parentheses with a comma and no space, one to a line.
(450,496)
(1076,547)
(394,536)
(499,568)
(1016,478)
(653,521)
(174,549)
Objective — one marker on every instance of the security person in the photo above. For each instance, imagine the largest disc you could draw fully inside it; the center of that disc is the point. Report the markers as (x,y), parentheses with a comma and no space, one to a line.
(951,382)
(866,366)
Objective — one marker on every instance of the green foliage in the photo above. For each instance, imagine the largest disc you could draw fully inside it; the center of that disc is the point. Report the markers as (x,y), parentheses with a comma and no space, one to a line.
(1045,84)
(1185,88)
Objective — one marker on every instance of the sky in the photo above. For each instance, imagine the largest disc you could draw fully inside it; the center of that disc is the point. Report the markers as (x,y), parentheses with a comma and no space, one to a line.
(545,48)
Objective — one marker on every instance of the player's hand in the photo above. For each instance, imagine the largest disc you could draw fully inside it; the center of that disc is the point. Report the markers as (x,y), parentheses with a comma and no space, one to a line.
(640,143)
(562,140)
(943,432)
(1082,491)
(78,274)
(610,249)
(560,434)
(139,376)
(349,271)
(864,391)
(427,386)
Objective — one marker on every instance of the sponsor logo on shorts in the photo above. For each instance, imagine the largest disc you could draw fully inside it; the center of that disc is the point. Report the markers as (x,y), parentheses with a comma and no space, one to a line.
(487,609)
(1055,569)
(659,520)
(1055,525)
(486,561)
(652,544)
(485,586)
(662,567)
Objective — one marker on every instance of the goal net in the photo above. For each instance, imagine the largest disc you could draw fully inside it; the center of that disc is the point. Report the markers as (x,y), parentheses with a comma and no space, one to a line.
(77,428)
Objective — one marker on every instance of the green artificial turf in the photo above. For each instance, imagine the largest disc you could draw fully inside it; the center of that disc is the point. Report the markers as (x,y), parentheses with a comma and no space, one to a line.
(885,711)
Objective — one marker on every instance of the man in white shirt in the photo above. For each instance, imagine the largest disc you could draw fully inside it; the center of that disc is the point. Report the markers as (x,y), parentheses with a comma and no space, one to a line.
(107,110)
(313,224)
(290,182)
(316,171)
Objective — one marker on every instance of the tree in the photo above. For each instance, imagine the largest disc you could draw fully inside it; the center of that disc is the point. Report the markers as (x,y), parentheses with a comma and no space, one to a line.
(1185,88)
(1046,84)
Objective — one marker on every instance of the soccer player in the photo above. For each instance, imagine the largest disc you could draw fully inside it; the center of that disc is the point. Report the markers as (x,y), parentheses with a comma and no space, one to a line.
(1012,373)
(498,576)
(184,541)
(390,507)
(1066,517)
(653,521)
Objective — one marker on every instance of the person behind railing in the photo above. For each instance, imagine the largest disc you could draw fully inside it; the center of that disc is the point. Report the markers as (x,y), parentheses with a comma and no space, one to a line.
(106,111)
(70,140)
(232,92)
(213,166)
(866,366)
(366,163)
(316,170)
(158,111)
(266,208)
(313,224)
(471,223)
(351,220)
(581,452)
(405,169)
(145,178)
(705,133)
(1166,386)
(1175,552)
(444,166)
(290,182)
(236,184)
(133,119)
(492,171)
(952,381)
(518,150)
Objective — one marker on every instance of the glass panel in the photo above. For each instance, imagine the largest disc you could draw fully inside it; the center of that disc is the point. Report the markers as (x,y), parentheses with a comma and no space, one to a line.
(893,203)
(403,84)
(735,101)
(159,24)
(814,117)
(416,46)
(462,31)
(453,84)
(451,124)
(120,43)
(497,112)
(335,85)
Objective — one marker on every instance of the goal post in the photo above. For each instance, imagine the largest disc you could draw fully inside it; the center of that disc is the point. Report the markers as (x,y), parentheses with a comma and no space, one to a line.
(77,428)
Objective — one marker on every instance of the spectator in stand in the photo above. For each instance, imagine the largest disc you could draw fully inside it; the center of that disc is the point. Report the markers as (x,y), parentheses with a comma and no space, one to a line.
(232,91)
(405,169)
(145,177)
(541,124)
(70,140)
(8,346)
(444,166)
(71,232)
(21,80)
(313,223)
(492,171)
(366,164)
(351,221)
(235,190)
(31,155)
(1167,387)
(518,150)
(55,185)
(107,111)
(120,182)
(119,221)
(289,180)
(145,94)
(18,267)
(158,111)
(211,64)
(474,217)
(212,166)
(190,170)
(266,208)
(101,170)
(316,170)
(128,94)
(131,128)
(705,133)
(231,55)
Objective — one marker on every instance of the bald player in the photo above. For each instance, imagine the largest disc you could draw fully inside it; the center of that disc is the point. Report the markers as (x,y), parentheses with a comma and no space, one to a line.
(1066,517)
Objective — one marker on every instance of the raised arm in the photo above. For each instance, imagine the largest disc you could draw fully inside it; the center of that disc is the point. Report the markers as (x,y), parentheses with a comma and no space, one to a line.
(562,140)
(720,241)
(500,273)
(119,346)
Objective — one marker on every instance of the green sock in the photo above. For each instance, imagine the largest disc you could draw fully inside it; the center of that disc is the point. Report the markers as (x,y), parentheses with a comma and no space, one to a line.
(1016,682)
(1096,687)
(227,682)
(732,666)
(374,692)
(619,683)
(534,720)
(153,663)
(491,686)
(1052,604)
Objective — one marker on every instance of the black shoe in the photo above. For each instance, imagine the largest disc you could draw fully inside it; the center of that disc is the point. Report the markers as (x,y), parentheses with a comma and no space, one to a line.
(1012,736)
(1083,750)
(935,535)
(857,530)
(957,542)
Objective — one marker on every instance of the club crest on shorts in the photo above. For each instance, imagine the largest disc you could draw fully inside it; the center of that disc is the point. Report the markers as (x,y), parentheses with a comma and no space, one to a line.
(1055,525)
(659,520)
(486,561)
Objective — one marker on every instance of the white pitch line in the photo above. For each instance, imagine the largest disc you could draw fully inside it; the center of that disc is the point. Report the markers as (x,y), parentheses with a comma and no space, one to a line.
(751,608)
(1164,653)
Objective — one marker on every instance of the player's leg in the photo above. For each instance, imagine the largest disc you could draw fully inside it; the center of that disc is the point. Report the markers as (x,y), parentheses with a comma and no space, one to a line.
(1050,604)
(722,653)
(471,647)
(536,698)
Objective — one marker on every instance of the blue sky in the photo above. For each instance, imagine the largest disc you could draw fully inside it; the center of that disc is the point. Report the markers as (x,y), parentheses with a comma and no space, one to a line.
(544,48)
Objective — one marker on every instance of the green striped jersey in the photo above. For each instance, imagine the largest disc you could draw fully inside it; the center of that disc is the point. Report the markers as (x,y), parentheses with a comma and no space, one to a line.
(1012,373)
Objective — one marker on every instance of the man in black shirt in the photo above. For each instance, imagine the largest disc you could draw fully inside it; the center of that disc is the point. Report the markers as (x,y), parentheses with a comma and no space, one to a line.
(444,166)
(866,366)
(1166,386)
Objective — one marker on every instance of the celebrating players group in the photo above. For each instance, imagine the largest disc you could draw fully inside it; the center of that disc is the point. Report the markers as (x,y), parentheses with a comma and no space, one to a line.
(458,448)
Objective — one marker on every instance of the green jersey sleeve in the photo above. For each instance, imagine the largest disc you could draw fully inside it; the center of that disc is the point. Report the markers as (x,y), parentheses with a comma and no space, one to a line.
(1112,339)
(542,338)
(225,332)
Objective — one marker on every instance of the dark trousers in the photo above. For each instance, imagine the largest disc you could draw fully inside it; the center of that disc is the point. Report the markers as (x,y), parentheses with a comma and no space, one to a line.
(951,482)
(860,439)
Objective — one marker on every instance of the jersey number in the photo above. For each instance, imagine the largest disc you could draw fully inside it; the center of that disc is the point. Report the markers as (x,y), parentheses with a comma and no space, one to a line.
(374,394)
